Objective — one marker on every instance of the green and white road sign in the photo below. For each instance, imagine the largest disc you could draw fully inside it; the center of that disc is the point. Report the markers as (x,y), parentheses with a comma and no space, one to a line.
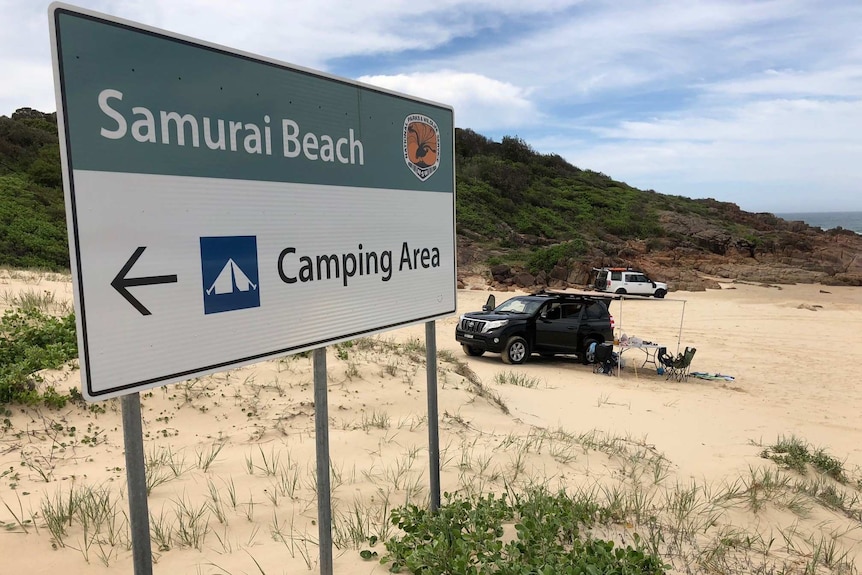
(224,208)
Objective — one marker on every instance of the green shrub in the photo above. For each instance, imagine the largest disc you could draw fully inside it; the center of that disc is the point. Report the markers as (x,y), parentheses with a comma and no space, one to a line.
(31,340)
(796,454)
(544,259)
(466,536)
(32,225)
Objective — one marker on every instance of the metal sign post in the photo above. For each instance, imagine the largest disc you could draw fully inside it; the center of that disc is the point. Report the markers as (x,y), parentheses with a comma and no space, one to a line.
(433,430)
(136,480)
(321,440)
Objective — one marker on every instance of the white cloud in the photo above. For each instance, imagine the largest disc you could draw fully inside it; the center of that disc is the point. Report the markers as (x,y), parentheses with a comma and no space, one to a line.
(759,121)
(26,86)
(619,46)
(792,152)
(480,103)
(724,96)
(310,33)
(304,33)
(840,81)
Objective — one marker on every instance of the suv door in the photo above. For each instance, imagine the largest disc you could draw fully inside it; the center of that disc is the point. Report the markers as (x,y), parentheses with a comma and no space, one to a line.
(557,328)
(639,284)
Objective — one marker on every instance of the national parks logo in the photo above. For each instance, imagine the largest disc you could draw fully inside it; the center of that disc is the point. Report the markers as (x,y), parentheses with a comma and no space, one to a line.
(421,145)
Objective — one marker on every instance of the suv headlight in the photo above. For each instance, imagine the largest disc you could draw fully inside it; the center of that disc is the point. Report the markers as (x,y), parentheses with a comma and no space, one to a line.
(492,325)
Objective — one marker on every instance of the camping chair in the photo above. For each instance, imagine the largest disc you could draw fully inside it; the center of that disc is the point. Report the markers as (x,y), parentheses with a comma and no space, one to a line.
(605,360)
(665,361)
(682,365)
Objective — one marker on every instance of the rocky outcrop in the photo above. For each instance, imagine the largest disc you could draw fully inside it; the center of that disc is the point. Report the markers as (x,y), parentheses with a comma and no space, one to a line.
(694,253)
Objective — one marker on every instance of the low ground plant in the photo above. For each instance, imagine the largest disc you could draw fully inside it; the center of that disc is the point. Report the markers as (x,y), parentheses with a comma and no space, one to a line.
(469,535)
(45,301)
(516,378)
(32,340)
(796,454)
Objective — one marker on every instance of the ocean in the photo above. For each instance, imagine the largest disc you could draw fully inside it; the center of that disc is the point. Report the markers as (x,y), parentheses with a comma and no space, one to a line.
(828,220)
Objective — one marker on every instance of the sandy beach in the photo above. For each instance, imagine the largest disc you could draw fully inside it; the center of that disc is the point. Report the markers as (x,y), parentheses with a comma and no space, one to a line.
(231,460)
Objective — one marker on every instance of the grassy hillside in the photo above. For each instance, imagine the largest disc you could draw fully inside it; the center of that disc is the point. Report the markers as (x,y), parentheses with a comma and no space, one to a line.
(508,186)
(536,209)
(32,214)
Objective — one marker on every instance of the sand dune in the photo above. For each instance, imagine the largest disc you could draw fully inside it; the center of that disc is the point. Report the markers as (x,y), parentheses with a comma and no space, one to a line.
(232,461)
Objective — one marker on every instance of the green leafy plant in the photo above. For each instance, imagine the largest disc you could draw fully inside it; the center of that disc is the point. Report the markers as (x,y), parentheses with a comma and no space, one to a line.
(30,341)
(796,454)
(544,259)
(466,535)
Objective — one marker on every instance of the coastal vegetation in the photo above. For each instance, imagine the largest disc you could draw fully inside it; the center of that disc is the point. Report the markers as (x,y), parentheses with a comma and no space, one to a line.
(514,206)
(37,332)
(32,212)
(536,211)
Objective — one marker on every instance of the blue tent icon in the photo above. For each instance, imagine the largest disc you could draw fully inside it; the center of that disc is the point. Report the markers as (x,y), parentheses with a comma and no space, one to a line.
(230,273)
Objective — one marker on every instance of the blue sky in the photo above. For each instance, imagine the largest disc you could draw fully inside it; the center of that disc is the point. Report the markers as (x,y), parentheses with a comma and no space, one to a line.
(753,102)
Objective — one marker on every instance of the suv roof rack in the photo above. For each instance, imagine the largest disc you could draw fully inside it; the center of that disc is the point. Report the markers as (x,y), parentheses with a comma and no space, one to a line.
(546,291)
(579,295)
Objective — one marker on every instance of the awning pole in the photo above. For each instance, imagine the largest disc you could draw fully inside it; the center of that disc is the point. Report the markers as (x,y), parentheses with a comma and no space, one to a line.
(621,315)
(679,336)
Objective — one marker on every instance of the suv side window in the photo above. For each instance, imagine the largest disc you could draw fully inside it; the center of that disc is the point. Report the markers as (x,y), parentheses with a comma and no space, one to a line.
(596,311)
(553,311)
(571,310)
(616,276)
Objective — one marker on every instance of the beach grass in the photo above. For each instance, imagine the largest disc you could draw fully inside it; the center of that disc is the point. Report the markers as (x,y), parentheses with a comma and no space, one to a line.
(517,497)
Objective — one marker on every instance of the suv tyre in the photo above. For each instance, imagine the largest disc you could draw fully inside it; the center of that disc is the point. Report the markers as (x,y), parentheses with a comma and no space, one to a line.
(472,351)
(587,343)
(660,293)
(517,351)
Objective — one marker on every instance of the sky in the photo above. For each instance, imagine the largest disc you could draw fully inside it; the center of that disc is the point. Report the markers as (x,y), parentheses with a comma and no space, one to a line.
(758,103)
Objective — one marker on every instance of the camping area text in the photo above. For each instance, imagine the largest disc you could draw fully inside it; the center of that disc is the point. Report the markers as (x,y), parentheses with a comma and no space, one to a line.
(294,268)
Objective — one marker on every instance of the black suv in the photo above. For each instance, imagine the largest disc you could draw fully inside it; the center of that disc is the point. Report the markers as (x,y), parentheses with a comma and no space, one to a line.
(546,323)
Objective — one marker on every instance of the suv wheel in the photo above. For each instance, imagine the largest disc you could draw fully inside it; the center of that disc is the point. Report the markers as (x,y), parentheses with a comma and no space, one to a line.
(516,350)
(621,291)
(472,351)
(587,343)
(660,293)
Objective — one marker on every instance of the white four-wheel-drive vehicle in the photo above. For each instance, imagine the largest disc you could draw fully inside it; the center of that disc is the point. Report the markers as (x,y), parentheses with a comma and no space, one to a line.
(628,281)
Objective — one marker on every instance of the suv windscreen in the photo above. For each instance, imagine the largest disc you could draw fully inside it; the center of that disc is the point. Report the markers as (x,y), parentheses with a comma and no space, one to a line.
(518,305)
